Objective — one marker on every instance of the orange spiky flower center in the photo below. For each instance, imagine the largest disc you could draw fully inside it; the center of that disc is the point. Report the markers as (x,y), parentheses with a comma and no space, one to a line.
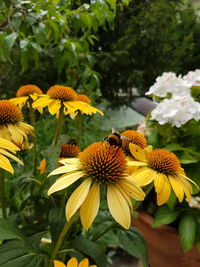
(28,89)
(134,137)
(62,93)
(69,151)
(9,113)
(163,161)
(103,163)
(83,98)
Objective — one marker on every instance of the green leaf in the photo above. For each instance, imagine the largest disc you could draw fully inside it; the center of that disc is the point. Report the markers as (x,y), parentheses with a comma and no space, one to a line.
(10,40)
(165,215)
(134,243)
(91,249)
(51,155)
(187,231)
(15,254)
(187,158)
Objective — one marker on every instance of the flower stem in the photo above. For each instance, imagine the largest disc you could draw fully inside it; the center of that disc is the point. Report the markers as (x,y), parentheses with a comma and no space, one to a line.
(60,241)
(32,120)
(59,125)
(79,128)
(2,194)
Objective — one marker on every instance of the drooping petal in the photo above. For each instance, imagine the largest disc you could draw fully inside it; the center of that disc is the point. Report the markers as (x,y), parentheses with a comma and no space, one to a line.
(131,189)
(143,177)
(8,145)
(5,164)
(6,153)
(19,100)
(65,181)
(54,106)
(187,178)
(77,197)
(72,262)
(59,264)
(178,190)
(159,181)
(42,102)
(187,188)
(90,206)
(118,206)
(17,137)
(69,161)
(136,163)
(137,152)
(164,194)
(64,169)
(84,263)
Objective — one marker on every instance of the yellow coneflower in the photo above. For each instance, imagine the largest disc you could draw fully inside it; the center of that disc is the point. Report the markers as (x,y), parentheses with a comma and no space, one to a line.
(5,148)
(26,94)
(164,169)
(74,263)
(12,126)
(101,165)
(59,96)
(83,98)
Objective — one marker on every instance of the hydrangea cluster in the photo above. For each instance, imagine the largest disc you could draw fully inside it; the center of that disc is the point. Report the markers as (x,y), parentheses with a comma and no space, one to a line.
(181,106)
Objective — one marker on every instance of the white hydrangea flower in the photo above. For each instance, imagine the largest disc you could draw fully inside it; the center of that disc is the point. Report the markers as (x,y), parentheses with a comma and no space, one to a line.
(192,78)
(177,111)
(169,83)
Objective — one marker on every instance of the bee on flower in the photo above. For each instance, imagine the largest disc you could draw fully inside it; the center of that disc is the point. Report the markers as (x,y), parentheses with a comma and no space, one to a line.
(100,165)
(162,168)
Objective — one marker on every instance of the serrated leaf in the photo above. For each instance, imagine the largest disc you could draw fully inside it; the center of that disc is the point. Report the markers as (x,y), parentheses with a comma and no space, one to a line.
(187,231)
(134,243)
(165,215)
(91,249)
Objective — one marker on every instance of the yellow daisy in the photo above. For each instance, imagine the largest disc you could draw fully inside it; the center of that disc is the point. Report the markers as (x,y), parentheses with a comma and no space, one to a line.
(163,168)
(100,165)
(73,263)
(61,97)
(12,126)
(5,148)
(26,94)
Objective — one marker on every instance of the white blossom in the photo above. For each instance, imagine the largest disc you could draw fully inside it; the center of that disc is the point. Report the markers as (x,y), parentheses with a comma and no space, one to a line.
(177,111)
(192,78)
(169,83)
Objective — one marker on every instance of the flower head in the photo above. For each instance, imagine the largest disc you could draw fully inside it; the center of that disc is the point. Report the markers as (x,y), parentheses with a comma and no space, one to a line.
(73,263)
(134,137)
(26,94)
(101,165)
(59,96)
(12,126)
(7,149)
(83,98)
(164,169)
(69,151)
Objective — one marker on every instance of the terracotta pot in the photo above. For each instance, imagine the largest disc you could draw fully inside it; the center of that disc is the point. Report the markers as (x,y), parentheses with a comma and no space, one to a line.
(164,246)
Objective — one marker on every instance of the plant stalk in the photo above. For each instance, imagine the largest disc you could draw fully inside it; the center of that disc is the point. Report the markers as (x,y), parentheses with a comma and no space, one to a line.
(2,193)
(60,241)
(59,124)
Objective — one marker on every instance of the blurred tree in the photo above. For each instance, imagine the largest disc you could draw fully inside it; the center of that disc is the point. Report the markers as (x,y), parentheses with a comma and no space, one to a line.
(150,37)
(48,42)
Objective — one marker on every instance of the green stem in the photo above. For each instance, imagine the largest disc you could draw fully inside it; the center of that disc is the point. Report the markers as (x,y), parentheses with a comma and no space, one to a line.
(2,194)
(59,125)
(79,128)
(60,241)
(32,120)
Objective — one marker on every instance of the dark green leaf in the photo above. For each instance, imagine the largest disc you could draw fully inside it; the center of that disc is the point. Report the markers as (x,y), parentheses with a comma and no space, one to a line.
(133,242)
(165,215)
(187,231)
(10,40)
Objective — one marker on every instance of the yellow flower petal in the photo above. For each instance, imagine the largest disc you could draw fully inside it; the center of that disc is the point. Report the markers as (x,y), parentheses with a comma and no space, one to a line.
(5,164)
(19,100)
(8,145)
(136,163)
(69,161)
(137,152)
(6,153)
(54,106)
(118,206)
(17,137)
(90,206)
(84,263)
(64,169)
(144,176)
(187,178)
(187,188)
(77,197)
(164,194)
(178,190)
(72,262)
(59,264)
(132,189)
(42,102)
(159,181)
(65,181)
